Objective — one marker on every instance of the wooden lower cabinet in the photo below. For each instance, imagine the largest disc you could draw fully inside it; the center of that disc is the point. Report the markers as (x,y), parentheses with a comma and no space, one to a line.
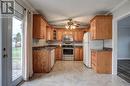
(58,53)
(41,61)
(102,61)
(78,54)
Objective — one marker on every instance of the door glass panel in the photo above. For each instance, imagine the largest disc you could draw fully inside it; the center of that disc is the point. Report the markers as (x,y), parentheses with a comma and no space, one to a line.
(17,36)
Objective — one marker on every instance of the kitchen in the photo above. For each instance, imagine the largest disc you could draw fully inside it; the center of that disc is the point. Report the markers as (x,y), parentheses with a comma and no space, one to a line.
(64,43)
(68,44)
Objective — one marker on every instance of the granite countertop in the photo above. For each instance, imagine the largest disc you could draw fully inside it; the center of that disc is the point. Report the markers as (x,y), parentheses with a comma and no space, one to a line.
(44,47)
(100,50)
(51,46)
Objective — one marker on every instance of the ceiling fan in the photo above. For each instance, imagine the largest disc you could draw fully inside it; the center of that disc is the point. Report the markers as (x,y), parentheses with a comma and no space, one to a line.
(71,24)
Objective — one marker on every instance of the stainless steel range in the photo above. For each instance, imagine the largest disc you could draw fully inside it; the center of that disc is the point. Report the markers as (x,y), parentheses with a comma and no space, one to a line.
(68,52)
(68,47)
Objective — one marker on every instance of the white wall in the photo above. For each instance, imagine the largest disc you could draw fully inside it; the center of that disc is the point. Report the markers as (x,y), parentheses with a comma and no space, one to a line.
(123,43)
(108,43)
(39,42)
(118,14)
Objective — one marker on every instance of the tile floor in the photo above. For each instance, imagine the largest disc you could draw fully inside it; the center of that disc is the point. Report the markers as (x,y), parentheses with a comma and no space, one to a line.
(70,73)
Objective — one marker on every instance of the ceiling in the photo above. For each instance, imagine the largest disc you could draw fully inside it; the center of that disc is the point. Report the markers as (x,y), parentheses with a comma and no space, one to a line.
(57,12)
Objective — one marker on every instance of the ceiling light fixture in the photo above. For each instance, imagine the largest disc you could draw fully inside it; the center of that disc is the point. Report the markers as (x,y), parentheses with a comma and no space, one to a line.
(70,25)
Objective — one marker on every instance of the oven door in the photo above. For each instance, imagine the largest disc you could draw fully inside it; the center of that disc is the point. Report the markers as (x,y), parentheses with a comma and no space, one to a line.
(68,54)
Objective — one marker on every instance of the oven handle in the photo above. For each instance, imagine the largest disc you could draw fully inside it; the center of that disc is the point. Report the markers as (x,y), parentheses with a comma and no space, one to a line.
(67,48)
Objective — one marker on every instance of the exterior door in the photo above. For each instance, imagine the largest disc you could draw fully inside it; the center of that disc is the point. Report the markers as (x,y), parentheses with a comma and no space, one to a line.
(12,50)
(11,39)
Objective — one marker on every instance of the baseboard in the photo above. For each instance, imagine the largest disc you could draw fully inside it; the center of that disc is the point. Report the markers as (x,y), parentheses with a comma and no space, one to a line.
(123,58)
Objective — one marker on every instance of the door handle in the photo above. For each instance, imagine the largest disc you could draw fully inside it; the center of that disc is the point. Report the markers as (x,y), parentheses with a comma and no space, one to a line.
(4,53)
(4,56)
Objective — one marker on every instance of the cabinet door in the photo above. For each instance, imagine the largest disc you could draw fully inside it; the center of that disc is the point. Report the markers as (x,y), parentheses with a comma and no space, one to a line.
(36,26)
(41,61)
(93,29)
(59,35)
(94,60)
(76,35)
(101,27)
(104,62)
(108,29)
(78,54)
(38,61)
(80,36)
(58,53)
(43,29)
(49,33)
(81,54)
(39,27)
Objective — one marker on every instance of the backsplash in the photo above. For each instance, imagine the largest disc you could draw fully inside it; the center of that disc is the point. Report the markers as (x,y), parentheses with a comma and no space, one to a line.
(108,43)
(39,42)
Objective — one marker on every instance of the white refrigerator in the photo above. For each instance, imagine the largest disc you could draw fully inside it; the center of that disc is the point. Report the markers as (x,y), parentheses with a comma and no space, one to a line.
(89,44)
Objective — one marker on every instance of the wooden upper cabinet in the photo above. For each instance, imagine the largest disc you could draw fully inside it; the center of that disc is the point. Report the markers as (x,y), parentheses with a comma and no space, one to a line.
(78,35)
(49,33)
(101,27)
(39,27)
(59,35)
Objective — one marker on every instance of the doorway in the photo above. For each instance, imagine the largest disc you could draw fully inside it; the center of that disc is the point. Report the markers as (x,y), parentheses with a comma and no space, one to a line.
(12,47)
(123,48)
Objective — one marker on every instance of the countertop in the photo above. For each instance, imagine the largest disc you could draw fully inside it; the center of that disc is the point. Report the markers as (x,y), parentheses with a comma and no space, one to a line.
(100,50)
(58,45)
(44,47)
